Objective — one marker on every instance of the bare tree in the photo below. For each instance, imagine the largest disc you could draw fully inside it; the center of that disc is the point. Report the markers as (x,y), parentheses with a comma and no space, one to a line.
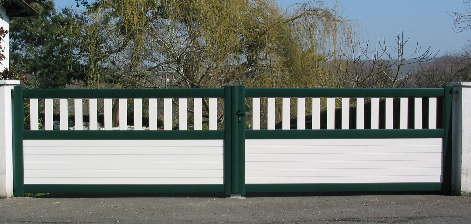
(441,71)
(462,21)
(386,67)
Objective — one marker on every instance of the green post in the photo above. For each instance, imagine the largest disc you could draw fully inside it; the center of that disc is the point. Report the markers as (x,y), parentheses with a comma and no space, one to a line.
(447,143)
(241,138)
(227,140)
(18,126)
(234,141)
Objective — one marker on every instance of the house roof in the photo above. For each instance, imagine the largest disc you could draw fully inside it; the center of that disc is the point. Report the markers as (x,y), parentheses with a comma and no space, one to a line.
(19,8)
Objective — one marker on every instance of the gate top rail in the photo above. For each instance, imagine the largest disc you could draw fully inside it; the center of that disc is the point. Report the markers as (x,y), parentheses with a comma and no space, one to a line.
(345,92)
(121,93)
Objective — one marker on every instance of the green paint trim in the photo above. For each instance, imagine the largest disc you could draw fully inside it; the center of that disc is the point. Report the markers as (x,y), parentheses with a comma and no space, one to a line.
(227,140)
(117,135)
(345,92)
(447,141)
(18,126)
(125,189)
(343,134)
(122,93)
(234,140)
(241,140)
(340,187)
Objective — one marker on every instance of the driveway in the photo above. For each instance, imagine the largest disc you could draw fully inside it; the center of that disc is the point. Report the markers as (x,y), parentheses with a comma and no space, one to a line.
(305,209)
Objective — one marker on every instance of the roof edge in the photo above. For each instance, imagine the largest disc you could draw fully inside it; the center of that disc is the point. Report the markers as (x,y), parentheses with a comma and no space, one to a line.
(19,8)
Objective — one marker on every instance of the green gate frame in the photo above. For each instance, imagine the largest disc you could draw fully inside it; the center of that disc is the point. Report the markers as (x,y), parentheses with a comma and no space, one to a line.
(234,135)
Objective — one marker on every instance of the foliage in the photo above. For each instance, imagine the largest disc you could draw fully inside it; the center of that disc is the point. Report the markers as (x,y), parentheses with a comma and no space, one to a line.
(209,43)
(442,70)
(45,46)
(3,33)
(12,75)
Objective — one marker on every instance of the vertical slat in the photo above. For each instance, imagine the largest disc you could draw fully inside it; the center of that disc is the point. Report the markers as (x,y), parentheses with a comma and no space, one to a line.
(198,116)
(137,113)
(375,113)
(418,113)
(389,113)
(78,112)
(213,110)
(404,113)
(360,113)
(182,113)
(301,108)
(330,113)
(33,114)
(256,113)
(432,113)
(153,116)
(123,114)
(108,116)
(48,114)
(285,121)
(316,113)
(168,114)
(93,113)
(64,114)
(271,113)
(345,113)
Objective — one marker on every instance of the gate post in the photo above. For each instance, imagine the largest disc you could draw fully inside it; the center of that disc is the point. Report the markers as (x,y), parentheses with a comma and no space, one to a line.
(6,137)
(237,130)
(461,140)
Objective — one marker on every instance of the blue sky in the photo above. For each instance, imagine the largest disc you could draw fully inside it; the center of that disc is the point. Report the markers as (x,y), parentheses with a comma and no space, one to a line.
(425,21)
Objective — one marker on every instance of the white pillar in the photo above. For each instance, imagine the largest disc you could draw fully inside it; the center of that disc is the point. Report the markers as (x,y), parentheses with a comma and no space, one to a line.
(6,137)
(461,140)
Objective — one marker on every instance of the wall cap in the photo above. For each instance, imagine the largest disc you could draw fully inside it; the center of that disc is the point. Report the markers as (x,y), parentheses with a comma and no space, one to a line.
(461,84)
(14,82)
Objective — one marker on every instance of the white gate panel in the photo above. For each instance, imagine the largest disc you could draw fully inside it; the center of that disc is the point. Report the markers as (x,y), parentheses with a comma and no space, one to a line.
(300,161)
(123,161)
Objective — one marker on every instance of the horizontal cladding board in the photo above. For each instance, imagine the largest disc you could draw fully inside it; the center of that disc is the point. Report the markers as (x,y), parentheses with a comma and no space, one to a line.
(343,165)
(342,149)
(125,188)
(123,143)
(356,179)
(345,142)
(129,181)
(123,173)
(343,172)
(122,158)
(106,165)
(343,157)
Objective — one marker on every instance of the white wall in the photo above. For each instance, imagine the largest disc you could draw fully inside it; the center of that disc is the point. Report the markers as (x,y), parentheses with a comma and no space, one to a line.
(6,138)
(461,137)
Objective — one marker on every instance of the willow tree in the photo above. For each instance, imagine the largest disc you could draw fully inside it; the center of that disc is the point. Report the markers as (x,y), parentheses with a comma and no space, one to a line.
(211,43)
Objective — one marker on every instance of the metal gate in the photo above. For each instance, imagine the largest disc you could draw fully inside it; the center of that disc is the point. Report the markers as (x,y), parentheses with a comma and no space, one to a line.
(231,140)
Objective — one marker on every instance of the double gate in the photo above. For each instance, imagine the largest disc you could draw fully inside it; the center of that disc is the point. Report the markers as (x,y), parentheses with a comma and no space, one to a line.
(231,141)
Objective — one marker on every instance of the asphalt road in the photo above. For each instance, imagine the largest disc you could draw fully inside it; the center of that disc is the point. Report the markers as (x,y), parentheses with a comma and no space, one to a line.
(306,209)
